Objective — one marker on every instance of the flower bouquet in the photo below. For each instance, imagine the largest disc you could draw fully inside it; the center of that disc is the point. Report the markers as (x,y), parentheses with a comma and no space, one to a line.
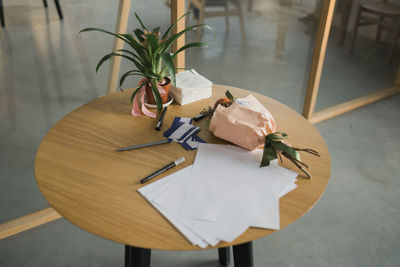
(248,124)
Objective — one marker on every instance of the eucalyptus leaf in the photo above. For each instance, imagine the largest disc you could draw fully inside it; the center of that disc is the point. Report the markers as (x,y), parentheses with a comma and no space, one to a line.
(287,149)
(229,95)
(277,136)
(268,155)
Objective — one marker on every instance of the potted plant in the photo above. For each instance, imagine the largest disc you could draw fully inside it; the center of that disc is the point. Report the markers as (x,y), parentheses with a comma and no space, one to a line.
(150,53)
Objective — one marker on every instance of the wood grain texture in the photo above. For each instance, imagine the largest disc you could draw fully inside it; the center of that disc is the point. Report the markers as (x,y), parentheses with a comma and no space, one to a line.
(27,222)
(177,10)
(352,104)
(95,188)
(120,27)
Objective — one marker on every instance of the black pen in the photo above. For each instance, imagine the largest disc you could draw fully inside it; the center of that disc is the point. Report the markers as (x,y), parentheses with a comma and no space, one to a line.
(200,116)
(164,169)
(160,121)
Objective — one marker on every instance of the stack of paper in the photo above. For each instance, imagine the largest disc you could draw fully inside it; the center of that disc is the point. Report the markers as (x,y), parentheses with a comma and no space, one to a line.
(191,87)
(221,195)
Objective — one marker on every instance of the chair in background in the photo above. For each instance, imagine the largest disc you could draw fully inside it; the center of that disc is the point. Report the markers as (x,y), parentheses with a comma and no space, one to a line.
(2,22)
(200,13)
(58,7)
(383,14)
(2,17)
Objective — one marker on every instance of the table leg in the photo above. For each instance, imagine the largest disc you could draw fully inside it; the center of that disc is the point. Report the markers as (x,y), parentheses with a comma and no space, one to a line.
(137,257)
(224,256)
(2,20)
(59,11)
(128,256)
(243,255)
(345,10)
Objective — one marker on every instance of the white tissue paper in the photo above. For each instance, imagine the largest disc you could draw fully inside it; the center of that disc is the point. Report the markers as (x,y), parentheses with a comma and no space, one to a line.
(191,87)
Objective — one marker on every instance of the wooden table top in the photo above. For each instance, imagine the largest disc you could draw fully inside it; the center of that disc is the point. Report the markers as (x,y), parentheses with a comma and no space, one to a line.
(95,188)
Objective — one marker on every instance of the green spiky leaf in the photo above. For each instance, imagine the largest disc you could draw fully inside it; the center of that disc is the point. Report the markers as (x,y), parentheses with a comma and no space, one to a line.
(137,90)
(127,74)
(190,45)
(152,43)
(173,25)
(139,33)
(140,21)
(168,43)
(104,31)
(156,94)
(170,66)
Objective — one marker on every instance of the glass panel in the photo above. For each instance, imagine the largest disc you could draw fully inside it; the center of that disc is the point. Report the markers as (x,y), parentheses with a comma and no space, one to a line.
(47,70)
(274,57)
(347,75)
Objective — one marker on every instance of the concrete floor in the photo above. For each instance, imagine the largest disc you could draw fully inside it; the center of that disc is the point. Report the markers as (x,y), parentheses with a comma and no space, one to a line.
(46,71)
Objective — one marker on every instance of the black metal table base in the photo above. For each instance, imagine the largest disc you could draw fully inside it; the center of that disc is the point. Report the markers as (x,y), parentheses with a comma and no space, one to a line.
(138,257)
(242,256)
(224,256)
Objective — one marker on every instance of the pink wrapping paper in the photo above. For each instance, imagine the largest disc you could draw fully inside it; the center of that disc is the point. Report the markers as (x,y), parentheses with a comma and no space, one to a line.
(138,107)
(245,123)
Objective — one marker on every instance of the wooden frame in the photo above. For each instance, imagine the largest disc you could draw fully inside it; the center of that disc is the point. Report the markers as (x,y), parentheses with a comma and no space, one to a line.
(318,57)
(27,222)
(353,104)
(316,70)
(49,214)
(120,27)
(177,9)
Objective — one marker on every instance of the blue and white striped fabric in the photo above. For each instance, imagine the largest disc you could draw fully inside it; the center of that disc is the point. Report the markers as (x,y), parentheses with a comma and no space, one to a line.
(184,132)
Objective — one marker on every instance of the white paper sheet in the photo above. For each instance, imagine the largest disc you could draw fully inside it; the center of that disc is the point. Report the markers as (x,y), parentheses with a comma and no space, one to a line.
(154,189)
(226,185)
(168,195)
(287,179)
(212,232)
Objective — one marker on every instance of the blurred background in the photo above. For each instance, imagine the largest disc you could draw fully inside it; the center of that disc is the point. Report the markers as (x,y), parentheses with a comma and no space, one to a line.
(47,70)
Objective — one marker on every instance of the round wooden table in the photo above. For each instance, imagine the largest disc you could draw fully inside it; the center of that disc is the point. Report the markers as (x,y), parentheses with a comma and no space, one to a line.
(89,184)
